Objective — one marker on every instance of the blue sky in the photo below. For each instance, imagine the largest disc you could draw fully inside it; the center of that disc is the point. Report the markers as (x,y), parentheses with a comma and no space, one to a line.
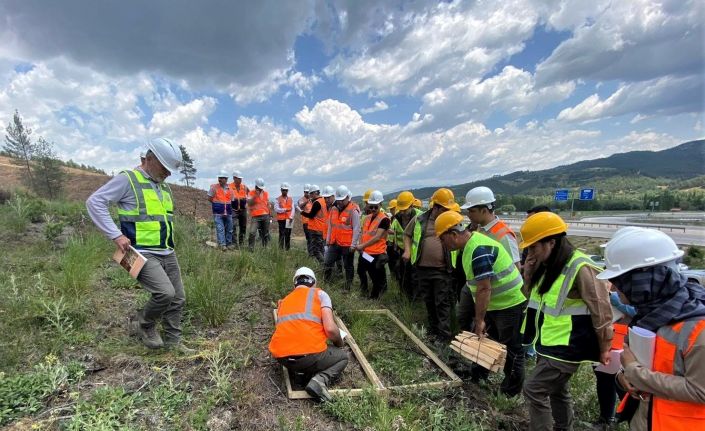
(383,95)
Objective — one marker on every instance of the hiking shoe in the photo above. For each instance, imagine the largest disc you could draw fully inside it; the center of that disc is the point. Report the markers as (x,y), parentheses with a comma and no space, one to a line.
(150,336)
(318,390)
(179,348)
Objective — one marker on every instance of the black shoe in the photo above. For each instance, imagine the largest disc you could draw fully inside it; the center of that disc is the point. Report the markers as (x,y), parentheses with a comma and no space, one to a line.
(318,390)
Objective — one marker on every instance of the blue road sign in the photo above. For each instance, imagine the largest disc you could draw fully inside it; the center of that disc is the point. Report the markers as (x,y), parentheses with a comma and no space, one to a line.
(561,195)
(587,194)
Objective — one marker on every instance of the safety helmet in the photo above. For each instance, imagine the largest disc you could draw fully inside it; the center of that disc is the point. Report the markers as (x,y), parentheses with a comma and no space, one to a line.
(392,204)
(341,193)
(375,198)
(307,187)
(620,232)
(327,192)
(259,182)
(539,226)
(446,221)
(284,186)
(637,249)
(417,203)
(478,196)
(314,188)
(143,154)
(443,197)
(366,195)
(168,153)
(237,174)
(456,208)
(304,271)
(404,200)
(222,174)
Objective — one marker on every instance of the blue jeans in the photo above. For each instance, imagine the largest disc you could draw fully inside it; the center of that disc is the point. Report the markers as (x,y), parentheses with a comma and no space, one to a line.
(223,229)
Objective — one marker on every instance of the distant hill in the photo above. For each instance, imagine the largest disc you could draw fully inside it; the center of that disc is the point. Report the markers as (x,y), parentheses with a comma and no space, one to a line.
(635,171)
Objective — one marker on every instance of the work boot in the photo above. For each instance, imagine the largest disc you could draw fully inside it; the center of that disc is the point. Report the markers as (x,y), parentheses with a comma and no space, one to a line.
(317,389)
(179,348)
(150,336)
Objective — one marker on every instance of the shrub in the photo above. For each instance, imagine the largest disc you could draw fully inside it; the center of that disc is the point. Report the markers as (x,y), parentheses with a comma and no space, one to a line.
(211,292)
(53,228)
(78,263)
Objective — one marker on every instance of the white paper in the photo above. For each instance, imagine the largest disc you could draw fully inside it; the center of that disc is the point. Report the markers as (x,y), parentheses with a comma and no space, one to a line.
(642,342)
(289,222)
(367,257)
(616,314)
(615,363)
(343,334)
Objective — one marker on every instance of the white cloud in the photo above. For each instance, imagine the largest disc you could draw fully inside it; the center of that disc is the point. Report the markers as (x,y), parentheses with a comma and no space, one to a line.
(379,105)
(183,117)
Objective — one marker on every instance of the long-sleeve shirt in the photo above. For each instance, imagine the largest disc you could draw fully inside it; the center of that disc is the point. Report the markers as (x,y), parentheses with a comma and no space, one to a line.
(595,294)
(279,210)
(118,191)
(355,222)
(315,207)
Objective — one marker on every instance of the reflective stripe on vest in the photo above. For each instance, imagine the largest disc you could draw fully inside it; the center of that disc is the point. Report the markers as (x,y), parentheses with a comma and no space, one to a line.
(299,327)
(566,332)
(260,203)
(341,224)
(151,224)
(222,197)
(506,281)
(369,230)
(319,222)
(239,196)
(673,343)
(285,203)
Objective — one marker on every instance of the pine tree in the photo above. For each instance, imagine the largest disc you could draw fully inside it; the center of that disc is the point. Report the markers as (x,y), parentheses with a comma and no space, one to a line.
(19,146)
(188,171)
(47,169)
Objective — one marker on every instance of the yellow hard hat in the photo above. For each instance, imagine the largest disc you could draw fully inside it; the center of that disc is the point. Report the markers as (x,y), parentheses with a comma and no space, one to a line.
(456,208)
(366,195)
(539,226)
(392,203)
(443,197)
(446,221)
(404,200)
(417,203)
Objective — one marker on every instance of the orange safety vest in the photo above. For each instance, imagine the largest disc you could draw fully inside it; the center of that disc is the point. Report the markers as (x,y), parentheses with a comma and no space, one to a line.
(499,230)
(299,328)
(369,230)
(306,208)
(260,203)
(341,225)
(673,343)
(220,203)
(286,203)
(239,196)
(319,222)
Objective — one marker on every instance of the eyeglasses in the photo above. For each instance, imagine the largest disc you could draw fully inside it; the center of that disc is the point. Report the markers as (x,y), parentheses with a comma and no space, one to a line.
(373,207)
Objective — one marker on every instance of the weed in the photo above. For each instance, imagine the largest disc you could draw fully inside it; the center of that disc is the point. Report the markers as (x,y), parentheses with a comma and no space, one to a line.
(78,263)
(118,278)
(170,396)
(53,228)
(211,290)
(56,316)
(220,373)
(108,408)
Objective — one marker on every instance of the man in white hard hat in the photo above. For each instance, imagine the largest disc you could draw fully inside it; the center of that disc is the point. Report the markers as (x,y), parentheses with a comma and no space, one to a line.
(304,205)
(304,325)
(239,204)
(373,245)
(343,236)
(220,197)
(143,199)
(284,208)
(260,215)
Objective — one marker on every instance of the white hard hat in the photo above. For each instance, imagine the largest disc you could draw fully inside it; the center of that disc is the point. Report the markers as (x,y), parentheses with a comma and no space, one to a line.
(478,196)
(620,232)
(341,193)
(223,174)
(143,154)
(284,186)
(259,182)
(168,153)
(237,174)
(327,192)
(307,187)
(314,188)
(637,248)
(376,198)
(304,271)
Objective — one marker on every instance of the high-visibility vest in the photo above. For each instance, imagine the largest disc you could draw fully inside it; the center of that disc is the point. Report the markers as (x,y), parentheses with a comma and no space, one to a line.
(260,203)
(299,328)
(369,230)
(499,230)
(319,222)
(398,230)
(560,327)
(286,203)
(417,241)
(239,196)
(222,198)
(306,208)
(150,225)
(506,282)
(341,224)
(673,343)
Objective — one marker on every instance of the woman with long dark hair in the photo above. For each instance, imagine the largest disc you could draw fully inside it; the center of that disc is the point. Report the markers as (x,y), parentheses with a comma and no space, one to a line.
(568,322)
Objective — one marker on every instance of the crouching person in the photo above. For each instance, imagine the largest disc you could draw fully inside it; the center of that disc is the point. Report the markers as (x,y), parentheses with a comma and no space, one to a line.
(304,325)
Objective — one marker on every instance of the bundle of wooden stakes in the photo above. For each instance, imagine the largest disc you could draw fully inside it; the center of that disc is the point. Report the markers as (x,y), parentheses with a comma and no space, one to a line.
(484,352)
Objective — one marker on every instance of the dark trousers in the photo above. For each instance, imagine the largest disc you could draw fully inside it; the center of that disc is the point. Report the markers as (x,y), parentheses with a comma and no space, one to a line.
(377,272)
(318,245)
(394,260)
(259,224)
(334,254)
(466,310)
(503,326)
(239,224)
(408,280)
(307,234)
(606,395)
(328,365)
(437,287)
(284,235)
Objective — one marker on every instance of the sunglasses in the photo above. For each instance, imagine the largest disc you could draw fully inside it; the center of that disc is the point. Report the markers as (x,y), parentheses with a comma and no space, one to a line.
(373,207)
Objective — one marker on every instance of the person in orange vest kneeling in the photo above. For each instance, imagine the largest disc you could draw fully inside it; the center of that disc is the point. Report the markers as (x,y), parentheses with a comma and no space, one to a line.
(304,326)
(373,246)
(642,264)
